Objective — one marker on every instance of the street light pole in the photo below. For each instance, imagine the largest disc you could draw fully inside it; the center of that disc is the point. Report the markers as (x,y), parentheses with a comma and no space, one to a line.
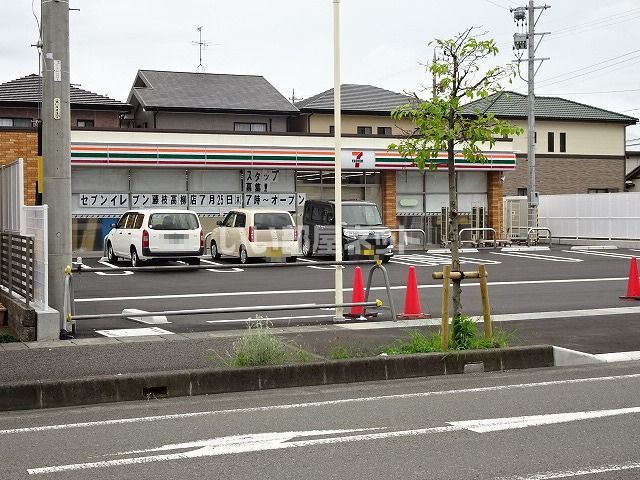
(337,118)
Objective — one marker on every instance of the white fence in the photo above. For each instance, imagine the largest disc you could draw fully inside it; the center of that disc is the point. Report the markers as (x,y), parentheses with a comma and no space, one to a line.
(35,225)
(596,215)
(12,197)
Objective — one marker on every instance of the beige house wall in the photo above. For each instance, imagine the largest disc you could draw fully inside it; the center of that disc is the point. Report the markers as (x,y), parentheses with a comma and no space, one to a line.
(320,123)
(583,138)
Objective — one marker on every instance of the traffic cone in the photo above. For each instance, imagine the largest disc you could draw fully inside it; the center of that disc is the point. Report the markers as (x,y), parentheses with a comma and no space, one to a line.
(412,310)
(633,285)
(357,295)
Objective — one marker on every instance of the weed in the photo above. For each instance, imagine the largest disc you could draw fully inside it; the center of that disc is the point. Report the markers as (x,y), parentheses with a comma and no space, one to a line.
(340,352)
(418,343)
(260,347)
(7,338)
(463,333)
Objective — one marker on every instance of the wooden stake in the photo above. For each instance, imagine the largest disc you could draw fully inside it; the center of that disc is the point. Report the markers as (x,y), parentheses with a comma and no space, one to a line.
(486,308)
(444,324)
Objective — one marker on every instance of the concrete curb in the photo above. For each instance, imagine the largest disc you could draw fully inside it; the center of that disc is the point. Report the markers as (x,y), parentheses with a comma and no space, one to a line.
(119,388)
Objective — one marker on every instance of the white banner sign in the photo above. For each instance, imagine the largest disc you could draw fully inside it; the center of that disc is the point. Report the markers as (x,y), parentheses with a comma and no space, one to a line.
(104,200)
(154,200)
(288,201)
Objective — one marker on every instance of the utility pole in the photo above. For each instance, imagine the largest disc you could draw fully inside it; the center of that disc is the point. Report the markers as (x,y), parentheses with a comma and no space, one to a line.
(56,147)
(526,41)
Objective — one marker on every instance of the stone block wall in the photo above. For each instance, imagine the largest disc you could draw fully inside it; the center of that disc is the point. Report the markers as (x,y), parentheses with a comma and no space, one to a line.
(22,320)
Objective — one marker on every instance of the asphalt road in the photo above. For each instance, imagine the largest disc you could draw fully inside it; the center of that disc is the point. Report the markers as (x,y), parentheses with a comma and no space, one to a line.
(559,280)
(528,425)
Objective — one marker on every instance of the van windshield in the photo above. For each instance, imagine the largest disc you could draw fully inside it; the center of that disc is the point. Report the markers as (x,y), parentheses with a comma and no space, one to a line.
(265,221)
(361,215)
(173,221)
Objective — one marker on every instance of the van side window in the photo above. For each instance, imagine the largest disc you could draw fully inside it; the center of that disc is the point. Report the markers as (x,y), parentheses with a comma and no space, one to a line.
(229,219)
(138,223)
(123,221)
(240,220)
(131,220)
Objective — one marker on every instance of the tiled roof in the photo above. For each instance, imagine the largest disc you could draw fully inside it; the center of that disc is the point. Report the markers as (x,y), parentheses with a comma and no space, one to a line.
(356,98)
(514,105)
(207,92)
(29,90)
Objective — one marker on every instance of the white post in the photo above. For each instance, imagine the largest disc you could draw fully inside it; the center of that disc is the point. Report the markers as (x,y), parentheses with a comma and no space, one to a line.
(338,153)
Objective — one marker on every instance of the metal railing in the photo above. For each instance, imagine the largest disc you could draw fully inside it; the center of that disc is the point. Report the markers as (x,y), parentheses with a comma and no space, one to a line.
(69,317)
(531,230)
(478,240)
(16,265)
(410,230)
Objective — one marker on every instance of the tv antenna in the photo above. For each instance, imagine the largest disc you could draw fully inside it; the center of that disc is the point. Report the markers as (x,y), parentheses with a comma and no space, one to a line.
(202,44)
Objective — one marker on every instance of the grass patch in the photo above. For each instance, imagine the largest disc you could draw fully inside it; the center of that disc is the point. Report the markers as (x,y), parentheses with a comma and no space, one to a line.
(418,343)
(340,352)
(7,338)
(261,347)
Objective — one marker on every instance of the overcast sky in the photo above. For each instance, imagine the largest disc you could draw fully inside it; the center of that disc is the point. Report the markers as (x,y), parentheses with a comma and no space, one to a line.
(594,44)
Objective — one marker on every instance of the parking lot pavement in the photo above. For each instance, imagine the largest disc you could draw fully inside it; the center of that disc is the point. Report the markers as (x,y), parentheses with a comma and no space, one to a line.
(521,282)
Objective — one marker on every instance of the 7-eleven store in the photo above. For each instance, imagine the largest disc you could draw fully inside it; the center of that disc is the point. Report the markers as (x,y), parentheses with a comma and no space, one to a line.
(113,171)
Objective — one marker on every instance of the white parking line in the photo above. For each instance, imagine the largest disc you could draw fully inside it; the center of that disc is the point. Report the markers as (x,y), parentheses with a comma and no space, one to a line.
(230,270)
(599,253)
(307,260)
(422,260)
(537,256)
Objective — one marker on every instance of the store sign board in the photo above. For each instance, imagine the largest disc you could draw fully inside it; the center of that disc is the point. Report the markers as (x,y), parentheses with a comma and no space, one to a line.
(287,201)
(358,159)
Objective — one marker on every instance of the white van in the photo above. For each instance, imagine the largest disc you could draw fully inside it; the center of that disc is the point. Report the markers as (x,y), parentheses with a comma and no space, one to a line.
(156,234)
(249,233)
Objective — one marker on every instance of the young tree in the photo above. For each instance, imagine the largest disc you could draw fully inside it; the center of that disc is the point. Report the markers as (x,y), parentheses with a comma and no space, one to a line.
(443,123)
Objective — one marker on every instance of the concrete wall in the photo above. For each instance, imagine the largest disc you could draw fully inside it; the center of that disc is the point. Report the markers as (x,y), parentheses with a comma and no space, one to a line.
(319,123)
(557,175)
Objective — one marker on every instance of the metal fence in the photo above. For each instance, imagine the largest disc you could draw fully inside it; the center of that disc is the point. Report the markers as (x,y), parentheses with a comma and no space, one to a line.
(16,264)
(594,215)
(12,197)
(35,226)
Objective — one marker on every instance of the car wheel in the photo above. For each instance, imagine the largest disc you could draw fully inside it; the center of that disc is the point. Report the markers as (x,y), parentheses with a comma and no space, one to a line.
(386,258)
(292,259)
(135,260)
(215,254)
(111,256)
(306,248)
(243,255)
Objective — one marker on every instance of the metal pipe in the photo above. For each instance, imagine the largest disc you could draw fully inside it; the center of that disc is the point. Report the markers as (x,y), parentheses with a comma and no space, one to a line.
(213,311)
(408,230)
(162,268)
(530,230)
(479,229)
(337,119)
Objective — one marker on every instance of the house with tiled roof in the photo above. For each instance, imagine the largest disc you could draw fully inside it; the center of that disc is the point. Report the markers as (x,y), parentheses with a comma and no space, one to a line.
(208,102)
(579,148)
(366,110)
(20,101)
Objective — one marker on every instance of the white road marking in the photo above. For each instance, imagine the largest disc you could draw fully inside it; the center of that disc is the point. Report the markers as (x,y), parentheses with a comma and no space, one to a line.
(331,290)
(525,249)
(299,317)
(536,256)
(433,260)
(507,317)
(261,442)
(594,247)
(230,270)
(619,356)
(599,253)
(317,267)
(513,423)
(134,332)
(576,473)
(104,262)
(326,403)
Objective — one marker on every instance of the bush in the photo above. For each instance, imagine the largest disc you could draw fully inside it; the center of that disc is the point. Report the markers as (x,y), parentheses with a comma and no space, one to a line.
(418,343)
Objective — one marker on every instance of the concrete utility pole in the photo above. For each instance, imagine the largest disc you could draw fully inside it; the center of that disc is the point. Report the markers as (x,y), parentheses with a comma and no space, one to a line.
(56,147)
(526,41)
(337,119)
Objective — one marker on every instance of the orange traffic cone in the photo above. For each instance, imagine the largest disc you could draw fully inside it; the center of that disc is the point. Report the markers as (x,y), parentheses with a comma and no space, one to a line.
(633,285)
(412,308)
(357,296)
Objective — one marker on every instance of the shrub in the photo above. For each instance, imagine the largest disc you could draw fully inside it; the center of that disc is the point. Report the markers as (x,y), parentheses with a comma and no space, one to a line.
(6,338)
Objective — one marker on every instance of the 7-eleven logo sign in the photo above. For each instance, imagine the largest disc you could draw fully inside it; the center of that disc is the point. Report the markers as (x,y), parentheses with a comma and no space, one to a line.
(358,159)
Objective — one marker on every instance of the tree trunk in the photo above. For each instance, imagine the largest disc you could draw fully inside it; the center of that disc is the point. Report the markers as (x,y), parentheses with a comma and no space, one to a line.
(454,237)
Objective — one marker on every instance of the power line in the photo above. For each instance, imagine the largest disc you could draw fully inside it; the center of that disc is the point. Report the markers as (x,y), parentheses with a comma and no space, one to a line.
(606,60)
(592,23)
(623,64)
(594,93)
(496,4)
